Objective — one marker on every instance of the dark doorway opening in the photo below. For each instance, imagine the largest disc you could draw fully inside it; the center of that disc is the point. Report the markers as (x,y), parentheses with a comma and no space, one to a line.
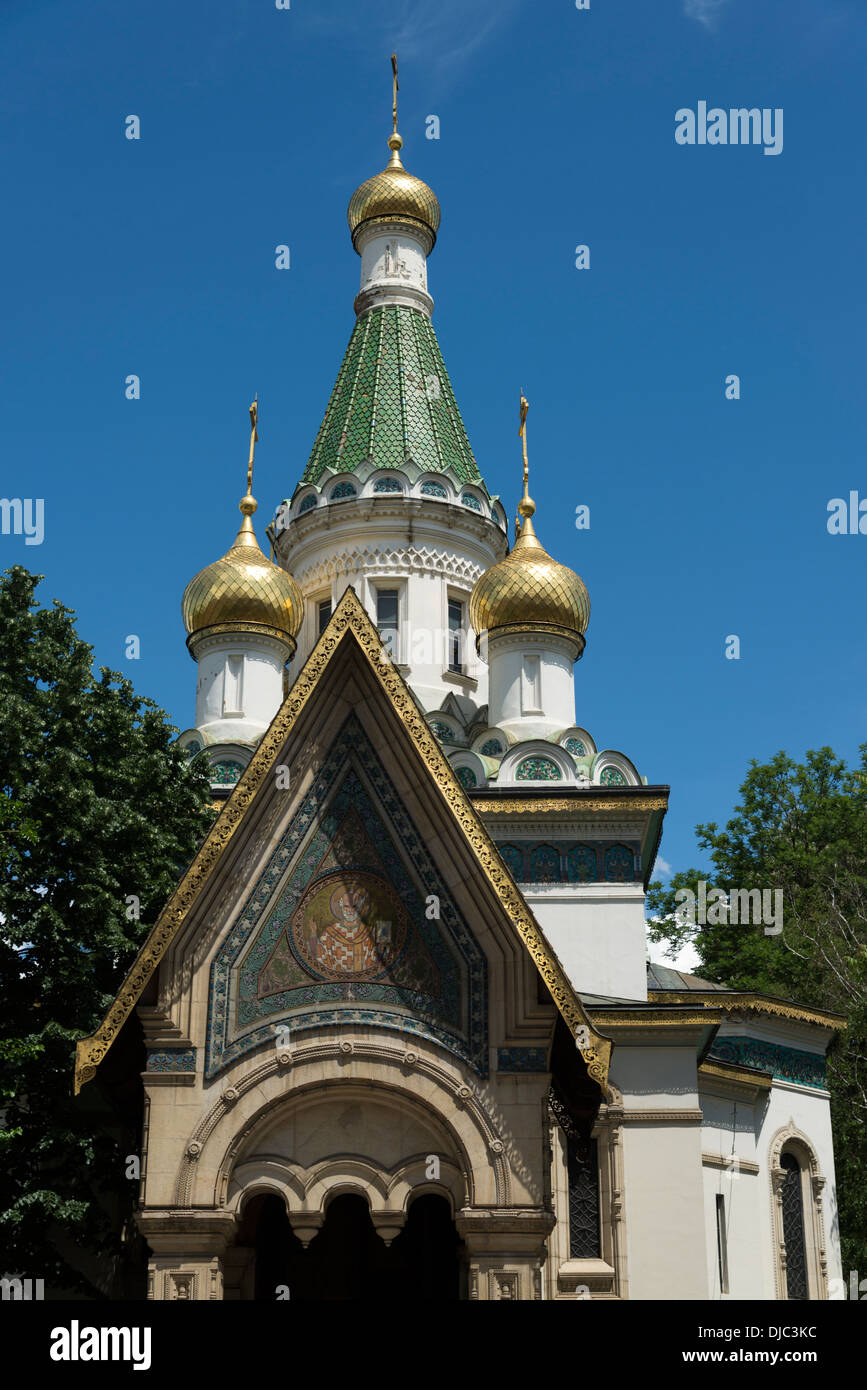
(348,1261)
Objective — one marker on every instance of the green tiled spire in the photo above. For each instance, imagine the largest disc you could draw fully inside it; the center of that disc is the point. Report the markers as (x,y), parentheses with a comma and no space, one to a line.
(393,399)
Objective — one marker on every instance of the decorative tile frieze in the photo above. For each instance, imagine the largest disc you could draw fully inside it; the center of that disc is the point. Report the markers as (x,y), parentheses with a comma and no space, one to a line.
(171,1059)
(563,862)
(785,1063)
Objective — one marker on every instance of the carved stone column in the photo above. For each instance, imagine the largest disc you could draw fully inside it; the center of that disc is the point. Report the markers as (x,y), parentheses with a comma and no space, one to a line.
(187,1249)
(505,1249)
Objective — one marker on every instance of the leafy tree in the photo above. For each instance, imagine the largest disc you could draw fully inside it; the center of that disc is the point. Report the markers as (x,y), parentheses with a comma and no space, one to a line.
(800,828)
(98,808)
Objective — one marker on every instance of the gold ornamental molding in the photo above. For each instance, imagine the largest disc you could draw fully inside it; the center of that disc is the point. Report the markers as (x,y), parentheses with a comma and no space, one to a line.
(521,806)
(733,1079)
(348,621)
(733,1002)
(654,1018)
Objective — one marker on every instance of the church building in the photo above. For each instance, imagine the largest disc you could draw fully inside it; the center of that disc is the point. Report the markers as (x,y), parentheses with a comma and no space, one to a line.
(401,1029)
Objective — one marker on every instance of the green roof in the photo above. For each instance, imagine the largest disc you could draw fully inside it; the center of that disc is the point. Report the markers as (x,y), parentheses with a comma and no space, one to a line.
(393,400)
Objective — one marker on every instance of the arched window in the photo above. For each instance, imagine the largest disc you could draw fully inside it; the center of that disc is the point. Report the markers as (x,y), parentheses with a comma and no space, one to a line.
(387,485)
(309,501)
(343,490)
(433,490)
(793,1228)
(492,748)
(800,1260)
(466,777)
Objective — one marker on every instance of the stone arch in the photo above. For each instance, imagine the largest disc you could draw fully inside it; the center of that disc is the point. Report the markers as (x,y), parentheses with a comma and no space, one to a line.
(790,1139)
(415,1080)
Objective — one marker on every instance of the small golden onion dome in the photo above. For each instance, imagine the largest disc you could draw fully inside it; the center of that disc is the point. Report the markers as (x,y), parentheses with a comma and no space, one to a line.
(243,587)
(530,589)
(394,195)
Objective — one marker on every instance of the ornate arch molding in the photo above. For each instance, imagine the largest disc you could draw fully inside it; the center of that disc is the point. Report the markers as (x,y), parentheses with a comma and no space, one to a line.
(790,1139)
(308,1195)
(461,1113)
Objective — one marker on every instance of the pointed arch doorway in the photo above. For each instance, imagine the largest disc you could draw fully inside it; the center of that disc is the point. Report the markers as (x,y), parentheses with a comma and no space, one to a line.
(348,1260)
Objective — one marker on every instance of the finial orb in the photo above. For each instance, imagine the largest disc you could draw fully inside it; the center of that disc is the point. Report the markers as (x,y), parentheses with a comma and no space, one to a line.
(247,505)
(526,506)
(395,141)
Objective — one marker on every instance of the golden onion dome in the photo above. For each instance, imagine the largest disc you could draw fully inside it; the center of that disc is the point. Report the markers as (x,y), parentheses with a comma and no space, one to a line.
(529,589)
(394,195)
(243,588)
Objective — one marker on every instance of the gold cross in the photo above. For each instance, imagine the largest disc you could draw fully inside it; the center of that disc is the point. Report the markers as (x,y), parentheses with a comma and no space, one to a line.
(394,92)
(254,440)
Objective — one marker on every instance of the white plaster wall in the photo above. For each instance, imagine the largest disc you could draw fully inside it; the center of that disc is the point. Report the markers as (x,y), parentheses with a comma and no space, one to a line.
(261,688)
(663,1190)
(598,934)
(426,549)
(743,1195)
(507,693)
(391,258)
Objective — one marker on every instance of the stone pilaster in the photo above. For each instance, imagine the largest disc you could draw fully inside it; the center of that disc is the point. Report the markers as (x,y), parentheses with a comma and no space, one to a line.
(187,1250)
(505,1251)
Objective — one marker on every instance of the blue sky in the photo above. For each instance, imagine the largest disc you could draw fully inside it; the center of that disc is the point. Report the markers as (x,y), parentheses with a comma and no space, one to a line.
(156,257)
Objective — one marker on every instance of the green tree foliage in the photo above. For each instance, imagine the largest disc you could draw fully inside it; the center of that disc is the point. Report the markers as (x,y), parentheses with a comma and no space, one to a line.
(800,828)
(97,806)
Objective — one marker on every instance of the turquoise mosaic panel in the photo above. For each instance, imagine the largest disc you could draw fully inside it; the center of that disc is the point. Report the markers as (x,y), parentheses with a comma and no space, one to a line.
(576,747)
(225,773)
(538,770)
(612,777)
(172,1059)
(544,864)
(342,490)
(466,777)
(513,858)
(619,864)
(581,864)
(786,1063)
(492,748)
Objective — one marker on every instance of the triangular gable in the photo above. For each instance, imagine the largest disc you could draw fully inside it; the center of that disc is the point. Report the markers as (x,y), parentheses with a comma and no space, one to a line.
(350,623)
(350,842)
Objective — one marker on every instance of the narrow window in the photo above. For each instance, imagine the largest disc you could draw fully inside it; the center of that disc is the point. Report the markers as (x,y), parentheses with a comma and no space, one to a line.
(793,1229)
(386,619)
(232,691)
(324,614)
(583,1176)
(456,635)
(721,1245)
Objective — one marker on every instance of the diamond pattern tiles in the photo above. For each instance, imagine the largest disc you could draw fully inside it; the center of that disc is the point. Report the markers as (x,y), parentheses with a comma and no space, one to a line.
(393,399)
